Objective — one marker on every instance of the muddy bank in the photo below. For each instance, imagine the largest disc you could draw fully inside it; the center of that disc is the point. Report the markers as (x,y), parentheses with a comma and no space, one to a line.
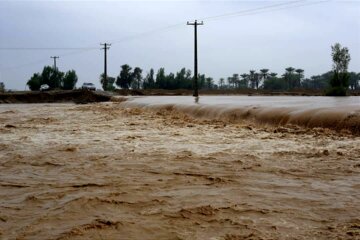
(76,96)
(101,171)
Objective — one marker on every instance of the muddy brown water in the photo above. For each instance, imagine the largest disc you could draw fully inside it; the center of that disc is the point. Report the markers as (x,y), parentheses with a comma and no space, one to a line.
(338,113)
(110,171)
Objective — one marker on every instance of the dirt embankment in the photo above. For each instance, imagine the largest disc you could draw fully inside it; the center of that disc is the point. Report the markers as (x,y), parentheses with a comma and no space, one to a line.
(77,96)
(84,96)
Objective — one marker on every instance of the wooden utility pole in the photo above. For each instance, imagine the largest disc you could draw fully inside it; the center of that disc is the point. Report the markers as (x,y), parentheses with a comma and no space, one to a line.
(195,24)
(55,57)
(106,47)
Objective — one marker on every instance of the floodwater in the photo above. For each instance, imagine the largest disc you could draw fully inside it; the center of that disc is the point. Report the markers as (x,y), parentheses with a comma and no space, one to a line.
(124,171)
(338,113)
(258,101)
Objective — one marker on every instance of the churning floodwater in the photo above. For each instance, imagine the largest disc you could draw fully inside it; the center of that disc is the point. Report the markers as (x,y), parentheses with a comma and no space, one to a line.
(122,170)
(329,112)
(263,101)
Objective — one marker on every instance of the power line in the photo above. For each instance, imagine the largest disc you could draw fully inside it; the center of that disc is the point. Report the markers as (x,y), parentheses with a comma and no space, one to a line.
(44,49)
(148,33)
(250,10)
(46,59)
(269,10)
(254,11)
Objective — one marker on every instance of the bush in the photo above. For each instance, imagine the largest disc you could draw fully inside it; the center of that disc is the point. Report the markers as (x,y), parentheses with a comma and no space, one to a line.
(336,91)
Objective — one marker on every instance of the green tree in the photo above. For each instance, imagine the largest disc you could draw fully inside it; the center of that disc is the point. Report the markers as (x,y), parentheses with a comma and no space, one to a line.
(253,79)
(300,76)
(289,77)
(110,82)
(244,82)
(34,82)
(273,74)
(235,80)
(170,81)
(161,78)
(274,83)
(264,73)
(354,79)
(70,80)
(221,82)
(125,77)
(183,79)
(2,87)
(209,83)
(52,77)
(340,80)
(137,77)
(230,81)
(149,81)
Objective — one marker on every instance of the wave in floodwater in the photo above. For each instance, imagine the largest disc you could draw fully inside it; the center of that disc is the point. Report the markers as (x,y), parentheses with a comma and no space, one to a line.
(327,112)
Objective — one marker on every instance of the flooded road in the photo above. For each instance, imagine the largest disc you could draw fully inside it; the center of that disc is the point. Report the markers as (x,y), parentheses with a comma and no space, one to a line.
(258,101)
(108,171)
(337,113)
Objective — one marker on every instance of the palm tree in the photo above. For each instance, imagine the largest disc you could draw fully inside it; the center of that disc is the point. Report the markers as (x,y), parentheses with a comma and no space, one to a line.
(245,80)
(273,74)
(264,73)
(300,73)
(229,79)
(252,78)
(221,81)
(235,79)
(289,76)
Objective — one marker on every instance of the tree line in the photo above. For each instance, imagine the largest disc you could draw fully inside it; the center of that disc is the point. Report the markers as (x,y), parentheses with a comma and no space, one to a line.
(134,79)
(336,81)
(291,79)
(54,78)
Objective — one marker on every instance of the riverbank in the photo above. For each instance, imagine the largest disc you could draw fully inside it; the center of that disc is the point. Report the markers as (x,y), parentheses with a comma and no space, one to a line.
(104,171)
(56,96)
(246,92)
(83,96)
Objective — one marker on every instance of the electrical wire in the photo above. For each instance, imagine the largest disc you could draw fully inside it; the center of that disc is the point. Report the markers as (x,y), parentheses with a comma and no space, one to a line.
(232,14)
(268,10)
(39,48)
(247,12)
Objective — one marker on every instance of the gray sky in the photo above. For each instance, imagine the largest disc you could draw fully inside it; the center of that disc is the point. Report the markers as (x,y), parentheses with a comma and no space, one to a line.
(275,39)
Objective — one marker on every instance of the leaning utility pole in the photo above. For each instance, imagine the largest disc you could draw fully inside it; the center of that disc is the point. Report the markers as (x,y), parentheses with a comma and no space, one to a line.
(195,24)
(55,57)
(106,47)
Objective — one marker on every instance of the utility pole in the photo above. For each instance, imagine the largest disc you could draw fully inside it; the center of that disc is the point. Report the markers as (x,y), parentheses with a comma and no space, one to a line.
(106,47)
(195,24)
(55,57)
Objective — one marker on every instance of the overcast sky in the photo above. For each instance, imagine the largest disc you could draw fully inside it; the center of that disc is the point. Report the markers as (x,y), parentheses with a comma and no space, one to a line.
(298,36)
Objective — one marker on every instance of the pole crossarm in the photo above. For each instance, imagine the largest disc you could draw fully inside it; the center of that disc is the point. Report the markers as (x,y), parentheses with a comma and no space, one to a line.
(195,23)
(55,57)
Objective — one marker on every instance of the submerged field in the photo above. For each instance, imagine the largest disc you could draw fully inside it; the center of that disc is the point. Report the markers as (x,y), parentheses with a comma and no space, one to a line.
(106,171)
